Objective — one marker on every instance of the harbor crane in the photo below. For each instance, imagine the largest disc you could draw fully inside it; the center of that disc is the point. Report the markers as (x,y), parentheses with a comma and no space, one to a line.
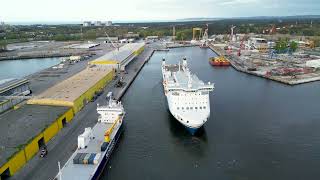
(232,31)
(205,37)
(173,33)
(117,47)
(194,33)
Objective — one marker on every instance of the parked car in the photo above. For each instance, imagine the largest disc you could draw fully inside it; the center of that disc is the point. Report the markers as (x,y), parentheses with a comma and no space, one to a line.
(43,152)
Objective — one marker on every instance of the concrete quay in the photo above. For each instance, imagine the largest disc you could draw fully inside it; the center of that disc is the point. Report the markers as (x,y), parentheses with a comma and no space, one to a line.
(289,80)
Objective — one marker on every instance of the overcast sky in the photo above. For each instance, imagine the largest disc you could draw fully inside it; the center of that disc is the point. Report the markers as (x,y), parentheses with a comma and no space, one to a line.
(131,10)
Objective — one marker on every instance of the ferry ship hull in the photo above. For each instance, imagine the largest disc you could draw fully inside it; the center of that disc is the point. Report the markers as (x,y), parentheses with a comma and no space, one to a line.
(187,96)
(197,123)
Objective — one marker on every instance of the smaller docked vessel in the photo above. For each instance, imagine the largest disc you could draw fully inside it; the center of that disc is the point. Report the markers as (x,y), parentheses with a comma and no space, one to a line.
(219,61)
(95,145)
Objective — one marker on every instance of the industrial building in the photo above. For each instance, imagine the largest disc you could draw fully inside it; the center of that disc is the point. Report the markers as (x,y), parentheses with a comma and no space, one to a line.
(152,37)
(108,39)
(260,44)
(120,57)
(108,23)
(25,130)
(86,24)
(12,87)
(131,35)
(77,90)
(97,23)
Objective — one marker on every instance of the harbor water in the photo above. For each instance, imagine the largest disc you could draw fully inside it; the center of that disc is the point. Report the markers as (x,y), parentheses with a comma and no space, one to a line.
(258,129)
(24,67)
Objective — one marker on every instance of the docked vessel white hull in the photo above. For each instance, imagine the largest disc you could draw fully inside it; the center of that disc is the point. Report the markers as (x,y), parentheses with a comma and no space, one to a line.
(187,96)
(192,121)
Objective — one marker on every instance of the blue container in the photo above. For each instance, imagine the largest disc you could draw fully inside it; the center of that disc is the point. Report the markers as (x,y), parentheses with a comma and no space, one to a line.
(91,158)
(104,146)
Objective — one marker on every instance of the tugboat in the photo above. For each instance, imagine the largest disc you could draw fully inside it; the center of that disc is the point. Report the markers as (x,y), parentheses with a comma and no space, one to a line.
(219,61)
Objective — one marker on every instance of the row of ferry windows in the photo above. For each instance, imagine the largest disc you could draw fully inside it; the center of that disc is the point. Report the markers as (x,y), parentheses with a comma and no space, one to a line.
(187,94)
(191,108)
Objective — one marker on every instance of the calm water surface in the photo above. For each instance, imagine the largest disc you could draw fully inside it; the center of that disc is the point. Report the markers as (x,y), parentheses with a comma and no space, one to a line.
(258,129)
(24,67)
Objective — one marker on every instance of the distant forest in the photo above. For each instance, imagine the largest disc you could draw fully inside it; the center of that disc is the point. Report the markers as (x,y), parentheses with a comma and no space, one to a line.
(299,26)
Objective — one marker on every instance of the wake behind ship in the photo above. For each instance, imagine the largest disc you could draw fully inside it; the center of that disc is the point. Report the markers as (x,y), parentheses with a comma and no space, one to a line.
(95,145)
(187,96)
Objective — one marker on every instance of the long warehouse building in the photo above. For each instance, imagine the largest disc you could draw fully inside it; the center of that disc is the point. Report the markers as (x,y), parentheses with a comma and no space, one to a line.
(121,57)
(77,90)
(24,131)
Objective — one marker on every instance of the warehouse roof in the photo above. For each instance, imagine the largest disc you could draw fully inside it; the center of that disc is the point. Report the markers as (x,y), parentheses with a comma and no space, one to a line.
(73,87)
(19,126)
(122,54)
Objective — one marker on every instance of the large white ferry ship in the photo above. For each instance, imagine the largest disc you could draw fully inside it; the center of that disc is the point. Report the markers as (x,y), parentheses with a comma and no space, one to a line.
(187,96)
(95,145)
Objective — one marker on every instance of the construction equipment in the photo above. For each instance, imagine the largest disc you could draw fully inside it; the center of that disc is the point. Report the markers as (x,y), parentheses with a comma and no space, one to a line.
(242,46)
(194,33)
(117,47)
(205,37)
(173,33)
(273,30)
(232,38)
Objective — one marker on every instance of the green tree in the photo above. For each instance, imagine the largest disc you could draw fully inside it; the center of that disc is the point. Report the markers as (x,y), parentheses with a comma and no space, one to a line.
(181,36)
(293,46)
(3,45)
(281,45)
(60,37)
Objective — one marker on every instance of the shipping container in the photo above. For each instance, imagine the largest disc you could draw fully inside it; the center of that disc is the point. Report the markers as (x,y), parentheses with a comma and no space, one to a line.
(85,160)
(76,158)
(91,158)
(82,158)
(96,159)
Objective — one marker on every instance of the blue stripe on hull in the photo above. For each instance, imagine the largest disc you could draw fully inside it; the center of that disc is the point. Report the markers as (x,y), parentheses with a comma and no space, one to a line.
(109,150)
(192,131)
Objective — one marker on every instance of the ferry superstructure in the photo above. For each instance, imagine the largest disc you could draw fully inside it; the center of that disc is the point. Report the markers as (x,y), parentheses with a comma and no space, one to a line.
(95,145)
(187,96)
